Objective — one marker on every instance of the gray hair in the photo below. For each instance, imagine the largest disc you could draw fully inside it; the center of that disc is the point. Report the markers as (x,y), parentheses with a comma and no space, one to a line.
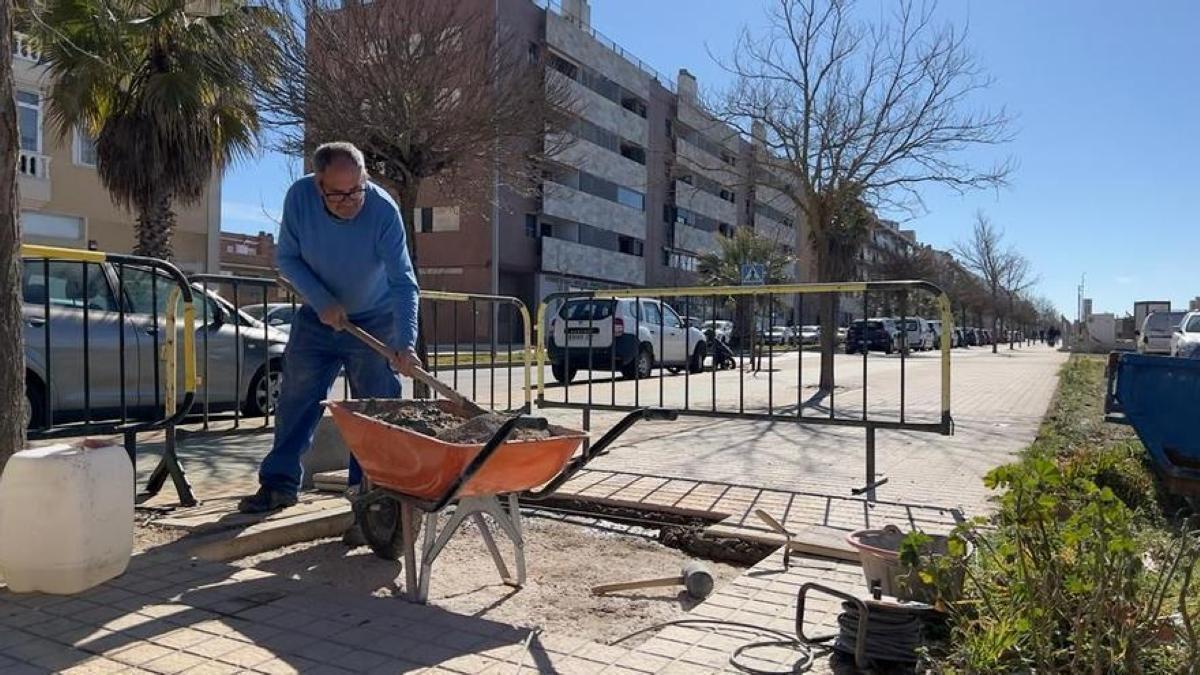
(330,153)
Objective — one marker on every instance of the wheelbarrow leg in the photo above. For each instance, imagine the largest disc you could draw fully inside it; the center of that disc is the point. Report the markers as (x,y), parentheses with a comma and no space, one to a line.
(432,548)
(490,542)
(510,522)
(410,551)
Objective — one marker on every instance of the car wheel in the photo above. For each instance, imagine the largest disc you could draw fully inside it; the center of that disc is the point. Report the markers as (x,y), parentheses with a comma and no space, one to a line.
(563,374)
(35,403)
(260,392)
(697,365)
(674,370)
(641,366)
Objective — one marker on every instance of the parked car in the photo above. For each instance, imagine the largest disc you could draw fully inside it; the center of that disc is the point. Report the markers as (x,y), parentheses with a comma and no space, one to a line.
(842,331)
(1154,336)
(936,327)
(630,335)
(278,315)
(809,335)
(986,336)
(918,333)
(68,294)
(879,335)
(777,335)
(721,329)
(1186,339)
(973,337)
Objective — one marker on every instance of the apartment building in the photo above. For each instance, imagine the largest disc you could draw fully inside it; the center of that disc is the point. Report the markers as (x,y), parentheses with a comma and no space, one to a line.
(61,199)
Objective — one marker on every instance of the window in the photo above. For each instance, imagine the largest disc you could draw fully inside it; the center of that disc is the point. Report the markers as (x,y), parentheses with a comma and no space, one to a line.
(85,148)
(672,319)
(29,120)
(631,198)
(630,246)
(531,225)
(142,287)
(445,219)
(52,226)
(1193,325)
(634,105)
(633,152)
(564,66)
(651,313)
(535,52)
(66,287)
(424,219)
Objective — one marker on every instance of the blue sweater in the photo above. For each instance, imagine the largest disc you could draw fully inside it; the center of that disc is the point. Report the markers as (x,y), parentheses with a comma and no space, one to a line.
(361,264)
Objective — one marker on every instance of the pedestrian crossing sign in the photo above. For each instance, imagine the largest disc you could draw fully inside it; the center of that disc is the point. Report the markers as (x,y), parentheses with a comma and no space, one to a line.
(754,274)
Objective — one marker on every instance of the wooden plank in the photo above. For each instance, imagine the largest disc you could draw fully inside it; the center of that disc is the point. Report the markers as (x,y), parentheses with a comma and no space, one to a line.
(331,481)
(223,514)
(814,540)
(271,534)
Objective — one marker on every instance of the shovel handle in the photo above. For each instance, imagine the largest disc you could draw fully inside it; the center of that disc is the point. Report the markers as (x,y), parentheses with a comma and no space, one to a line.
(418,373)
(631,585)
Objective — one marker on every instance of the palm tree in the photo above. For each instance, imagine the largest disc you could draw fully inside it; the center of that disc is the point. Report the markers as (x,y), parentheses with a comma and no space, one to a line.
(167,93)
(724,268)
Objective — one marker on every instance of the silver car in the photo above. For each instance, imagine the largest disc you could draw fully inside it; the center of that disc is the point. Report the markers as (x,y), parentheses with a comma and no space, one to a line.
(232,349)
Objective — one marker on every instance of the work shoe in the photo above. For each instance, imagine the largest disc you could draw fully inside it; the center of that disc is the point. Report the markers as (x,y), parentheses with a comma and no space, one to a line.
(266,500)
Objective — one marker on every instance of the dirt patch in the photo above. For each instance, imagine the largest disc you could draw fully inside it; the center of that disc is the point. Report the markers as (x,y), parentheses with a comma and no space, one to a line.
(431,419)
(678,531)
(564,561)
(148,536)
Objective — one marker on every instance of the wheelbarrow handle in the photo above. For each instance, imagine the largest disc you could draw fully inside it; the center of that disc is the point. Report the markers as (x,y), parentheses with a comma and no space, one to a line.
(597,448)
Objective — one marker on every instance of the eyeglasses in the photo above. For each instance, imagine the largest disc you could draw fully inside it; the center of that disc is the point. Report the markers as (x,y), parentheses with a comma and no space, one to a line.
(343,197)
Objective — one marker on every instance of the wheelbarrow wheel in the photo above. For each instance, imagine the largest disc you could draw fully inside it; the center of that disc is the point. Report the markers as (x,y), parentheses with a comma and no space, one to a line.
(380,521)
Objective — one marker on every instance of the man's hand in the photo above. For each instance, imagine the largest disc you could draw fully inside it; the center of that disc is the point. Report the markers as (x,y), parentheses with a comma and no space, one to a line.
(405,360)
(334,316)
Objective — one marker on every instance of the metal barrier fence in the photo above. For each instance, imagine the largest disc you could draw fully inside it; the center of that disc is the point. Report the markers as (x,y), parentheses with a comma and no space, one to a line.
(591,332)
(105,359)
(85,308)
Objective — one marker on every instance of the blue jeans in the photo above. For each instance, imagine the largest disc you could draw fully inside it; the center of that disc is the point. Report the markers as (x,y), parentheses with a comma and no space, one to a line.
(315,353)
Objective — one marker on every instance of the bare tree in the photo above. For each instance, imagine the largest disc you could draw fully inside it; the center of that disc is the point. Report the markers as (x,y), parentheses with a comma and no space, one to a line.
(12,368)
(985,255)
(859,111)
(1018,278)
(432,91)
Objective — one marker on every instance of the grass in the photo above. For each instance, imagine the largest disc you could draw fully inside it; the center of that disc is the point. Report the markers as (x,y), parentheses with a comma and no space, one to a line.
(481,359)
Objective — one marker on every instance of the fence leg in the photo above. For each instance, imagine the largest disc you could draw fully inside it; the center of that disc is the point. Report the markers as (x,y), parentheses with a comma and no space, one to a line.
(169,466)
(131,450)
(870,464)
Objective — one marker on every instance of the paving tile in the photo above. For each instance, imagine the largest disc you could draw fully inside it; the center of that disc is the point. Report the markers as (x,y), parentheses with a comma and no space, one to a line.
(139,654)
(213,668)
(248,656)
(180,638)
(324,651)
(175,662)
(214,647)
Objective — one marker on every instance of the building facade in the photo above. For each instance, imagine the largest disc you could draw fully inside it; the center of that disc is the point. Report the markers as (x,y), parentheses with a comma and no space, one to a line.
(644,188)
(62,201)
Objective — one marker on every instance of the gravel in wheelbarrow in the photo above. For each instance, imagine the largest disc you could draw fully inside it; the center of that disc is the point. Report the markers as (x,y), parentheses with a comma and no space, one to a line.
(419,448)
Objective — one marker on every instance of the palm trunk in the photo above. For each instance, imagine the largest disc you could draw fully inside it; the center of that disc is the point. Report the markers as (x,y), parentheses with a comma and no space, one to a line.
(155,228)
(12,369)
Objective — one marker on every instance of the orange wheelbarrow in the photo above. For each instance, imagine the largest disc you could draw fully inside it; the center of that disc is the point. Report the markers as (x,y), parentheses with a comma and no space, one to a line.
(408,472)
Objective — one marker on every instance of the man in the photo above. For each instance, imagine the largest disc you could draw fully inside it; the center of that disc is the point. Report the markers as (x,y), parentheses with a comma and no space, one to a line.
(341,244)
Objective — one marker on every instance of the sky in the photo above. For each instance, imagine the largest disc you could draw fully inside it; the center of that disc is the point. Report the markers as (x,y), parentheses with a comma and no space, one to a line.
(1105,95)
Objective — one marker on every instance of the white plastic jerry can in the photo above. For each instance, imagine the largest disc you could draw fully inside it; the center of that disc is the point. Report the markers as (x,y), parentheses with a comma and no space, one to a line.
(66,517)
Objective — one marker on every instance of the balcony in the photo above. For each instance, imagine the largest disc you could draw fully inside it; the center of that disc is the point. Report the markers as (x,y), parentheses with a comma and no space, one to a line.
(33,173)
(567,257)
(24,48)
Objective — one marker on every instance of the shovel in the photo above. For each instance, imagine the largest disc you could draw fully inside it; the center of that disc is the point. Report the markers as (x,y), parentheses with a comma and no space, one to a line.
(468,406)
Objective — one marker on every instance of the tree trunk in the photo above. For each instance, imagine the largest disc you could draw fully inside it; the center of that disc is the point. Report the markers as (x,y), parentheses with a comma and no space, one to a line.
(12,368)
(827,270)
(155,228)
